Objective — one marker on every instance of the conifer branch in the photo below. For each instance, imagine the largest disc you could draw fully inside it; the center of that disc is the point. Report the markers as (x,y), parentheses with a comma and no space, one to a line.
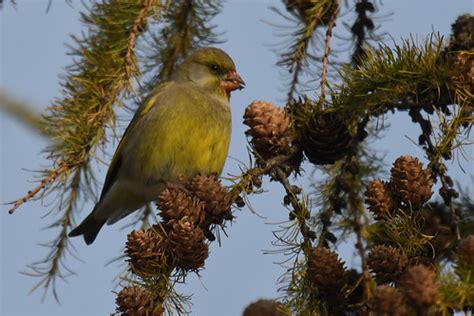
(98,80)
(344,192)
(308,16)
(137,28)
(439,149)
(327,48)
(52,176)
(78,122)
(299,212)
(180,46)
(419,78)
(358,228)
(50,268)
(362,26)
(410,75)
(23,112)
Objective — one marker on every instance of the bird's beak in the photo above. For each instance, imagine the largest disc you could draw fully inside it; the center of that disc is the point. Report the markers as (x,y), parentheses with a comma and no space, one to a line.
(232,81)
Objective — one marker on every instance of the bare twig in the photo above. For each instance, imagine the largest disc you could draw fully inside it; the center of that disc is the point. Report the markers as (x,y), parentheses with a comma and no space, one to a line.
(53,175)
(327,48)
(294,81)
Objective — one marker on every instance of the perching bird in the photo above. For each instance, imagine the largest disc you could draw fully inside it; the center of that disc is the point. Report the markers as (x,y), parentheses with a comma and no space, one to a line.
(181,129)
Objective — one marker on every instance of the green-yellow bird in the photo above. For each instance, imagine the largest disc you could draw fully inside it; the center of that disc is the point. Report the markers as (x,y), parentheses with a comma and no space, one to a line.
(182,128)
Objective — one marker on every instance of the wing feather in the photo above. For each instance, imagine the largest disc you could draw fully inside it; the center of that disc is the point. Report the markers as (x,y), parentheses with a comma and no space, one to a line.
(116,162)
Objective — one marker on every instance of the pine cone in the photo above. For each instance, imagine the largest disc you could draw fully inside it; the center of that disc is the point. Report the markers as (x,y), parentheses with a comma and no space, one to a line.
(419,286)
(187,244)
(326,272)
(436,219)
(217,201)
(146,251)
(410,183)
(136,301)
(388,301)
(387,263)
(465,251)
(380,199)
(269,128)
(264,308)
(324,138)
(174,204)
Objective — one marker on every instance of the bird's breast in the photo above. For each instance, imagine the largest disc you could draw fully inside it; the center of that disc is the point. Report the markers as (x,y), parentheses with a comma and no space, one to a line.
(191,136)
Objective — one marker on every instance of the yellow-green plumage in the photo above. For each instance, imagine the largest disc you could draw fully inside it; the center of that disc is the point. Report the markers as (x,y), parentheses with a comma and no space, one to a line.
(182,129)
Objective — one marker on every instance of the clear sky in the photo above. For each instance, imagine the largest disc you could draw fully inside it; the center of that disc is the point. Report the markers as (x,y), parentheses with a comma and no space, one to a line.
(33,54)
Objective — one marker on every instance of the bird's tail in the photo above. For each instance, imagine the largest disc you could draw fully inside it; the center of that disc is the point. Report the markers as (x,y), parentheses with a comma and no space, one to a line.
(89,227)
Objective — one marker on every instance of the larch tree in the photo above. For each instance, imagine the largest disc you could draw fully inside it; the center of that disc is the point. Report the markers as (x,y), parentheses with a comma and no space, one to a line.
(415,244)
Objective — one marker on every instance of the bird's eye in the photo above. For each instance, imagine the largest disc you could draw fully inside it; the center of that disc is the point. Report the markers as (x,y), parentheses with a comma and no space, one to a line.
(215,67)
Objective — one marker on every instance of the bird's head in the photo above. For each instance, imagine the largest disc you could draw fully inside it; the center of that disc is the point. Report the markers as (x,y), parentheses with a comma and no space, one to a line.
(211,69)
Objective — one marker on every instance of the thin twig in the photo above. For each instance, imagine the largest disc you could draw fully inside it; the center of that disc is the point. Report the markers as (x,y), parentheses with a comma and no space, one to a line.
(363,259)
(266,168)
(294,60)
(53,175)
(294,81)
(60,243)
(290,191)
(327,48)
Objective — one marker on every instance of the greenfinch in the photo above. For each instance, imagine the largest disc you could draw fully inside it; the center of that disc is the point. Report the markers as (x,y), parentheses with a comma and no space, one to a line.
(181,129)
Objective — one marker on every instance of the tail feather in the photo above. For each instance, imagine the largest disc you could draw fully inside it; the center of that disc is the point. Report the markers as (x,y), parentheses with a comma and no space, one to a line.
(89,227)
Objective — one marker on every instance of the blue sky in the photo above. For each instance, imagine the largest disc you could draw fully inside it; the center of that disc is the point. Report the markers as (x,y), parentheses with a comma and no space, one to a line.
(33,55)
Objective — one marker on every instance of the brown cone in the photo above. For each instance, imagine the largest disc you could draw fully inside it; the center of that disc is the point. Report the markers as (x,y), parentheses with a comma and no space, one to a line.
(380,199)
(411,183)
(387,263)
(324,138)
(465,61)
(326,272)
(217,200)
(146,251)
(465,251)
(174,204)
(419,286)
(269,128)
(436,223)
(136,301)
(388,301)
(264,308)
(187,244)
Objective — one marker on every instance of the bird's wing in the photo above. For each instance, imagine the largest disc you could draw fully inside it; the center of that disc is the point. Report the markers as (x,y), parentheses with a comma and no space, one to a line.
(116,162)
